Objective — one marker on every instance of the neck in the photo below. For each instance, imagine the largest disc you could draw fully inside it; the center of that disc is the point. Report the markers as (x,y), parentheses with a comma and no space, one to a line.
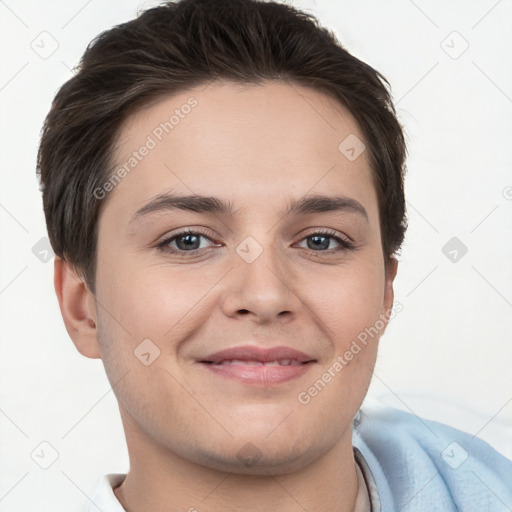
(160,480)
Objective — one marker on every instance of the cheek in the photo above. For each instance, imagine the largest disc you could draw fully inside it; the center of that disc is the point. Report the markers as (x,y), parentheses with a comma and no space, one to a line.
(157,303)
(142,298)
(350,300)
(351,312)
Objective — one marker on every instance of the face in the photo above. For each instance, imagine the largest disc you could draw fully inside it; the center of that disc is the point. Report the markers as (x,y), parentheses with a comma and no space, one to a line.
(259,265)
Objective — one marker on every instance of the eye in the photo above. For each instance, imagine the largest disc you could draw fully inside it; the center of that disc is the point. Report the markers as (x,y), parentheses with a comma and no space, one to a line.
(319,241)
(187,241)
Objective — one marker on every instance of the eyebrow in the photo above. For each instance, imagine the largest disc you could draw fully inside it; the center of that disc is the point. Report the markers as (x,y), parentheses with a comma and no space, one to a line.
(307,205)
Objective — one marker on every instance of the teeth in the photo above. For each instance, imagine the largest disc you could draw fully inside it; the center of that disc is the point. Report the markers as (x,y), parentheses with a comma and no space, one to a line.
(240,362)
(281,362)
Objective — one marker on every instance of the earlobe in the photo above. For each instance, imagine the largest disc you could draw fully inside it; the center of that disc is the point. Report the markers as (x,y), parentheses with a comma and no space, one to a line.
(77,306)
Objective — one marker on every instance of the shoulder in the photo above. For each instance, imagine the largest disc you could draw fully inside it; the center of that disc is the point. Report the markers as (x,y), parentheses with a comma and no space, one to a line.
(420,464)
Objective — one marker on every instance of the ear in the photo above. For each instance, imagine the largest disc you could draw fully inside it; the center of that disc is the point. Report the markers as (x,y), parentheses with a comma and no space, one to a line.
(389,295)
(78,308)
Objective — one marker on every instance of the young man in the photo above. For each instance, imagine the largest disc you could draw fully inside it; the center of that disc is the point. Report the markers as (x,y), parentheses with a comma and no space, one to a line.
(223,189)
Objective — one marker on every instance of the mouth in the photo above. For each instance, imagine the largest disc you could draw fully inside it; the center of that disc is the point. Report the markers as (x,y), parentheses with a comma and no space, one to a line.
(258,366)
(247,362)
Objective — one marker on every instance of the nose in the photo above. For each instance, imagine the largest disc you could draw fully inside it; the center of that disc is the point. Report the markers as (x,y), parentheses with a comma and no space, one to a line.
(261,285)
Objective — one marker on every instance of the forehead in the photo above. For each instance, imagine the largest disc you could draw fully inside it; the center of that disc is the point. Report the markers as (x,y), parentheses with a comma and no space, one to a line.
(236,140)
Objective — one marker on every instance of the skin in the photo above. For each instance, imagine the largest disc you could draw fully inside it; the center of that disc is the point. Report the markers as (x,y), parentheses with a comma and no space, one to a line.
(258,147)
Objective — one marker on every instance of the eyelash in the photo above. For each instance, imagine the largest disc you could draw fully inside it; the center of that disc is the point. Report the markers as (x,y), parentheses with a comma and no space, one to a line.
(345,244)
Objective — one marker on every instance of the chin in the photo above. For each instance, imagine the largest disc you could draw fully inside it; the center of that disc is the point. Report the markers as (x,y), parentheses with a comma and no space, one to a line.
(257,456)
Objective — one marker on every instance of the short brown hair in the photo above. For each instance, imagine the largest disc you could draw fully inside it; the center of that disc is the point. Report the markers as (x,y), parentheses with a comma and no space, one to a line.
(179,45)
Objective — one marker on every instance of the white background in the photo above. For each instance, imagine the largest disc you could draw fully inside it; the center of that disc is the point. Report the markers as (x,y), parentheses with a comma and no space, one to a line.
(446,356)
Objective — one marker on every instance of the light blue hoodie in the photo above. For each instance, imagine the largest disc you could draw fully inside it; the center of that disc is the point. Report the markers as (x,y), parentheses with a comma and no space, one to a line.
(416,465)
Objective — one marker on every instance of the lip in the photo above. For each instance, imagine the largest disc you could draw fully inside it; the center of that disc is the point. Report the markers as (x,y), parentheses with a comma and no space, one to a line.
(254,373)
